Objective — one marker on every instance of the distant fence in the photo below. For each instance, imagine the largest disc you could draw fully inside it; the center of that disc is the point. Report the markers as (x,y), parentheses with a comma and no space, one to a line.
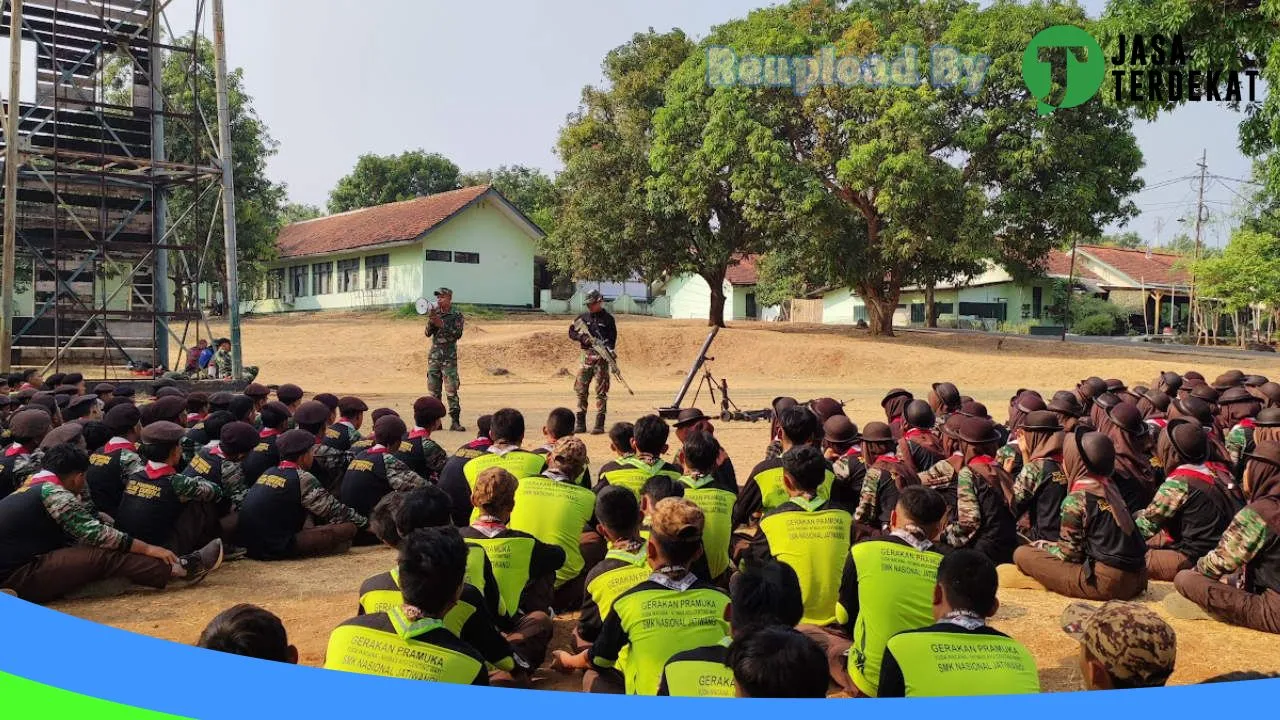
(621,305)
(805,311)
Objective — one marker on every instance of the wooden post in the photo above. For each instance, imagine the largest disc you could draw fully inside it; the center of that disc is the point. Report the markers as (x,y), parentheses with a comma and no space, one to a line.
(11,160)
(232,300)
(1159,298)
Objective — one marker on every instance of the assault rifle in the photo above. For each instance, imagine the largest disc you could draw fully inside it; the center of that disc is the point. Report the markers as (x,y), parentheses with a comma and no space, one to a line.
(603,351)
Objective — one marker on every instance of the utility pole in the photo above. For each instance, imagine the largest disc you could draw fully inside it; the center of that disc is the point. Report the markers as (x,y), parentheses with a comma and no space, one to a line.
(12,158)
(232,301)
(1203,165)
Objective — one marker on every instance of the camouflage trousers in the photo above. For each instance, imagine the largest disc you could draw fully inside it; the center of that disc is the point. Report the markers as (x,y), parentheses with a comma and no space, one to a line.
(442,373)
(593,367)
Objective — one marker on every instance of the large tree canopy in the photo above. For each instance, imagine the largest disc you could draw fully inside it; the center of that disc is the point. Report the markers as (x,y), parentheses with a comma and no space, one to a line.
(527,188)
(900,185)
(382,179)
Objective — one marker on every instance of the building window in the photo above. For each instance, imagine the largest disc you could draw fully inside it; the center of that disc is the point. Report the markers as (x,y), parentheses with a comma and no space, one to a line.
(469,258)
(298,281)
(322,278)
(439,256)
(275,283)
(377,269)
(1037,302)
(348,275)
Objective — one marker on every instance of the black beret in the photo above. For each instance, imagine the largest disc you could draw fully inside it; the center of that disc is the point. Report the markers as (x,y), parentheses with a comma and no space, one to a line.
(102,388)
(169,408)
(73,378)
(66,434)
(294,443)
(351,405)
(162,432)
(311,413)
(274,413)
(289,393)
(122,418)
(81,406)
(256,391)
(62,400)
(66,390)
(124,391)
(30,424)
(169,392)
(238,437)
(220,400)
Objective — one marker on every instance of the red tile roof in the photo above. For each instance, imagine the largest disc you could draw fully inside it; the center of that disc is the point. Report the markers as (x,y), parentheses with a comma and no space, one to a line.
(1058,264)
(1158,269)
(744,273)
(395,222)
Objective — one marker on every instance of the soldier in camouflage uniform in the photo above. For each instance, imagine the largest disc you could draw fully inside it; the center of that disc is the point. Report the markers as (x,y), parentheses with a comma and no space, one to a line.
(21,458)
(444,329)
(1249,551)
(51,543)
(600,325)
(222,363)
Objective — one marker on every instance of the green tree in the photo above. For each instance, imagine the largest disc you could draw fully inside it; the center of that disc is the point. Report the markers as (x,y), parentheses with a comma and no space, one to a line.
(298,212)
(527,188)
(910,185)
(1129,240)
(1243,278)
(382,179)
(784,274)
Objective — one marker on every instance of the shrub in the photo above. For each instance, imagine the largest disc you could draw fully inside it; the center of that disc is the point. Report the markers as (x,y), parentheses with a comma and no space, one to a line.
(1100,324)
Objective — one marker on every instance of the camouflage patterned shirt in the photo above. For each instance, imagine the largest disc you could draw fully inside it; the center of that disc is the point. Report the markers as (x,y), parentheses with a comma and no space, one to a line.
(942,474)
(1007,454)
(869,500)
(233,482)
(1029,480)
(968,512)
(450,330)
(1164,506)
(1244,538)
(1236,441)
(399,475)
(1071,533)
(195,489)
(324,505)
(78,520)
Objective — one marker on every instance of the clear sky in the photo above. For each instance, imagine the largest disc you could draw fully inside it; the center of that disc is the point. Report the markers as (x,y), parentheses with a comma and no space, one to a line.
(490,83)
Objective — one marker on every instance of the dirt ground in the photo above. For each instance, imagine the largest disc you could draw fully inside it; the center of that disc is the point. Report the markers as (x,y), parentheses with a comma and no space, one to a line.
(384,361)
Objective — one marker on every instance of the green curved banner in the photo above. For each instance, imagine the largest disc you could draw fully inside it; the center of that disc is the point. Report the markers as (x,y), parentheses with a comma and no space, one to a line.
(27,699)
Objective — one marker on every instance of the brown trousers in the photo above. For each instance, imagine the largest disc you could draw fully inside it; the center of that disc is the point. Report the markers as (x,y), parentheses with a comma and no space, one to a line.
(1071,579)
(197,526)
(324,540)
(1166,564)
(568,597)
(54,575)
(835,644)
(1239,607)
(530,638)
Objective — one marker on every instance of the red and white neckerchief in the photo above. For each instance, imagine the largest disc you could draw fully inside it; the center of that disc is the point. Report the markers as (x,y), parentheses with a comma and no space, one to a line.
(982,460)
(1200,472)
(489,525)
(853,452)
(16,449)
(193,418)
(912,433)
(419,432)
(377,450)
(119,443)
(288,465)
(1245,424)
(215,449)
(1161,423)
(44,476)
(268,433)
(887,457)
(156,470)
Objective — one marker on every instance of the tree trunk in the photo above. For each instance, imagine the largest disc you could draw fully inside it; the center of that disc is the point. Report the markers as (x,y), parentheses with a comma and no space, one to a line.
(879,311)
(930,317)
(716,316)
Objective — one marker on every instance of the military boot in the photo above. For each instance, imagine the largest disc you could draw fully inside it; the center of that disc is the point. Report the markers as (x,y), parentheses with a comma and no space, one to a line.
(599,428)
(454,425)
(580,426)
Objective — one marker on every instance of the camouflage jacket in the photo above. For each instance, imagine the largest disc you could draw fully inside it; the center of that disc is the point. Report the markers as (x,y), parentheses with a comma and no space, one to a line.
(450,330)
(968,512)
(78,520)
(1164,506)
(1237,442)
(1071,533)
(1007,454)
(1029,481)
(222,364)
(869,500)
(1244,538)
(195,489)
(322,504)
(942,474)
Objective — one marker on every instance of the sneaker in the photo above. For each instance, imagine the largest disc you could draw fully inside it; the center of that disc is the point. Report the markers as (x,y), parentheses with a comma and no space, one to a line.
(200,563)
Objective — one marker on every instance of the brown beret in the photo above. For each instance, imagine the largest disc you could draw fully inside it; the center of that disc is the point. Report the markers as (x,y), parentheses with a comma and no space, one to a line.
(238,437)
(220,400)
(169,407)
(289,393)
(256,391)
(295,442)
(351,405)
(168,391)
(125,391)
(122,418)
(76,378)
(30,424)
(380,413)
(311,413)
(328,399)
(388,430)
(102,388)
(67,434)
(66,390)
(162,432)
(429,407)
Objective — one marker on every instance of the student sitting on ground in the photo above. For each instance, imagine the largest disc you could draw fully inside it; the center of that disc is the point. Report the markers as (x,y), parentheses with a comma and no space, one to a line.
(642,458)
(624,565)
(1041,486)
(249,631)
(272,520)
(763,490)
(114,463)
(886,476)
(811,536)
(164,507)
(274,417)
(777,662)
(507,430)
(377,471)
(469,620)
(52,543)
(560,425)
(422,454)
(411,641)
(701,451)
(671,612)
(887,584)
(764,595)
(21,459)
(554,508)
(984,661)
(523,566)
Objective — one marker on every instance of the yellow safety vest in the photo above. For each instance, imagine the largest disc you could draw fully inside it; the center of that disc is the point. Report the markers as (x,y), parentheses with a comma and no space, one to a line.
(717,507)
(555,512)
(700,678)
(635,473)
(520,463)
(661,622)
(608,585)
(374,652)
(940,664)
(510,558)
(895,593)
(815,543)
(376,601)
(773,493)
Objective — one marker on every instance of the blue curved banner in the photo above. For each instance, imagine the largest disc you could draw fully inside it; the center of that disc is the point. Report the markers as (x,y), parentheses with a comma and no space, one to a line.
(94,662)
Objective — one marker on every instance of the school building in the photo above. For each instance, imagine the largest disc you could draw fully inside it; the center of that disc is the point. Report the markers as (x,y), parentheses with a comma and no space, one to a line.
(472,240)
